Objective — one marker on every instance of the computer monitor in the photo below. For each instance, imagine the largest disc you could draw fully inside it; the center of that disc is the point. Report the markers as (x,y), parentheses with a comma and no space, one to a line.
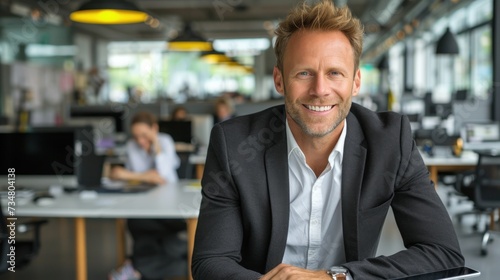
(481,136)
(202,126)
(84,136)
(103,130)
(180,131)
(38,153)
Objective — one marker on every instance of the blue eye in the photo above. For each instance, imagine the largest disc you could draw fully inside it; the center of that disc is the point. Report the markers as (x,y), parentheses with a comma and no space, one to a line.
(303,73)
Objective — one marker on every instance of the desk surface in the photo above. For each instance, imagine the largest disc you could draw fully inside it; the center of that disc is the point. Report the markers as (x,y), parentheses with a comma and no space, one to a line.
(467,158)
(176,201)
(197,158)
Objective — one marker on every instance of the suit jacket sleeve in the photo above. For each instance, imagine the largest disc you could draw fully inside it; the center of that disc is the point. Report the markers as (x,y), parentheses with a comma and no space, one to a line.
(219,234)
(422,220)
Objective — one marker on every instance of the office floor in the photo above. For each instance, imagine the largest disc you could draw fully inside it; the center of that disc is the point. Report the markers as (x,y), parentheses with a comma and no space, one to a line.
(56,259)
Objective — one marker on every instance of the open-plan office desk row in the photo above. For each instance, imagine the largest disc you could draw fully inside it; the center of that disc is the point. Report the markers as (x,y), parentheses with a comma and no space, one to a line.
(171,201)
(449,163)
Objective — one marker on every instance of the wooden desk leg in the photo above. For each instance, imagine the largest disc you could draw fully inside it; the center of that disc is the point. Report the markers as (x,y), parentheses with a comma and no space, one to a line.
(120,241)
(81,249)
(199,171)
(191,231)
(434,175)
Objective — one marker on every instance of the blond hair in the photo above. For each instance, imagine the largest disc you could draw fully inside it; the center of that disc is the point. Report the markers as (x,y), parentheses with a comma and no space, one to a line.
(323,16)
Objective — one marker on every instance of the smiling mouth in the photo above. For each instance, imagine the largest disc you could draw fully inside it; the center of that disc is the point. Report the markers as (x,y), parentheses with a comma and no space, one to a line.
(319,108)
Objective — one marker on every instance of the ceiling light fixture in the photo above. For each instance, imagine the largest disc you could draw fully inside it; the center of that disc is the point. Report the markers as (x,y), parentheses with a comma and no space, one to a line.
(189,41)
(447,44)
(214,57)
(108,12)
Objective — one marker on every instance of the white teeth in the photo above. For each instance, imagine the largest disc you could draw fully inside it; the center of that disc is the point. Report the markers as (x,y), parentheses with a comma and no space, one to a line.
(319,108)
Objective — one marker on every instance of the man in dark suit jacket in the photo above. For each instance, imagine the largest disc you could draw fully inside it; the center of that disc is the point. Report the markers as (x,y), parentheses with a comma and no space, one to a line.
(301,191)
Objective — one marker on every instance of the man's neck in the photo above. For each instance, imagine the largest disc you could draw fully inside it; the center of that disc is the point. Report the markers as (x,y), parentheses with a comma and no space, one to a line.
(316,149)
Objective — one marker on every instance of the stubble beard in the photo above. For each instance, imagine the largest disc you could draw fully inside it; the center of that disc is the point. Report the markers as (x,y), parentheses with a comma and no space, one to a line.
(293,111)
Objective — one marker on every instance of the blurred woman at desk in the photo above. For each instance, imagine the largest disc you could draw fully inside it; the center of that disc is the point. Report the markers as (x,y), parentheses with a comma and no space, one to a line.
(151,156)
(157,250)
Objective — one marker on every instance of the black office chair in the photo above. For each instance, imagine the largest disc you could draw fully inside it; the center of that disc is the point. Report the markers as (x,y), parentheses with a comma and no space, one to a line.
(483,187)
(26,250)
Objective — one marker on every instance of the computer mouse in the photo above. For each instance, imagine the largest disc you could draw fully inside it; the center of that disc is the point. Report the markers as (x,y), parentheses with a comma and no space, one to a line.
(43,200)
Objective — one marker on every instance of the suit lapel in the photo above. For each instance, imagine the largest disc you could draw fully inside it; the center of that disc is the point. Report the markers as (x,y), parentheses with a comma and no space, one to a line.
(276,161)
(352,169)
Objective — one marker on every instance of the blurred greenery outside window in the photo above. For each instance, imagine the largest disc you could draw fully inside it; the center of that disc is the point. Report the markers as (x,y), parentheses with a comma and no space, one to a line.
(150,72)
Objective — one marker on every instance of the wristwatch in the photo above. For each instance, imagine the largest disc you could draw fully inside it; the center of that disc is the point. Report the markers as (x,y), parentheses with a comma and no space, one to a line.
(338,272)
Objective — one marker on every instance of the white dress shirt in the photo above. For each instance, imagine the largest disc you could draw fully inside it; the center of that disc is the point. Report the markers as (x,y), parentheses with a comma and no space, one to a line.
(315,238)
(166,162)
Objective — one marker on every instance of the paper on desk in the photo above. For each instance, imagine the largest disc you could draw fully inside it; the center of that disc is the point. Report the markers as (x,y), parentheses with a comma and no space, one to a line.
(194,187)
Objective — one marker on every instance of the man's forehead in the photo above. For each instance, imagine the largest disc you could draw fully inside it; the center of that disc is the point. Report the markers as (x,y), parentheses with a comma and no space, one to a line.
(327,45)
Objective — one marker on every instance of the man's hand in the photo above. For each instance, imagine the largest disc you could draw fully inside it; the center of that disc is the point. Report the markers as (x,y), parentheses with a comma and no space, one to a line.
(118,173)
(288,272)
(152,177)
(155,143)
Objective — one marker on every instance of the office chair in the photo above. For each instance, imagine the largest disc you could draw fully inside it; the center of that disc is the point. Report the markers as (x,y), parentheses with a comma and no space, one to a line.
(26,250)
(483,187)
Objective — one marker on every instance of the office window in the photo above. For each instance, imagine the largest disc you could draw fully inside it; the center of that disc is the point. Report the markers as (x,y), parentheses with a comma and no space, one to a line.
(462,62)
(147,71)
(370,80)
(482,67)
(420,69)
(396,77)
(430,63)
(479,11)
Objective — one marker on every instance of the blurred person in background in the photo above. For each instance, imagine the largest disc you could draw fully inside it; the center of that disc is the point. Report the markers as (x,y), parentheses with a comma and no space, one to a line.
(158,250)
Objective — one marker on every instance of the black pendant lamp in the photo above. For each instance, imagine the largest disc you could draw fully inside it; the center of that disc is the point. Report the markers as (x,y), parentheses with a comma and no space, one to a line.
(189,40)
(447,44)
(108,12)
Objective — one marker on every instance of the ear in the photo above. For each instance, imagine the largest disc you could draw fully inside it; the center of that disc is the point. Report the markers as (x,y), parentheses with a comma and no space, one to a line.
(278,81)
(357,83)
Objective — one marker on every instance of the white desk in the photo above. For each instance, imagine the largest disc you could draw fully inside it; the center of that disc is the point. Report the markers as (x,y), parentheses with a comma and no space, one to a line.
(178,201)
(440,163)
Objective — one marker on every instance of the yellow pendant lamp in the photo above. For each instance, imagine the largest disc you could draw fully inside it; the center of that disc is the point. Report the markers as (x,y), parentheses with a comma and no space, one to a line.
(189,41)
(108,12)
(214,57)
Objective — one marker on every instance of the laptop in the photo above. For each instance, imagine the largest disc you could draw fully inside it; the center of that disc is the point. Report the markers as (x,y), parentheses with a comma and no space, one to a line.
(481,136)
(89,177)
(448,274)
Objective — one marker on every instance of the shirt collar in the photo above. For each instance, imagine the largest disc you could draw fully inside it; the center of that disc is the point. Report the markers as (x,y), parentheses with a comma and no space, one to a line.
(339,147)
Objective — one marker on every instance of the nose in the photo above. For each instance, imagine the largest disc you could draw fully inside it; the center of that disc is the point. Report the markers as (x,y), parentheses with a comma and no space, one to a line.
(319,87)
